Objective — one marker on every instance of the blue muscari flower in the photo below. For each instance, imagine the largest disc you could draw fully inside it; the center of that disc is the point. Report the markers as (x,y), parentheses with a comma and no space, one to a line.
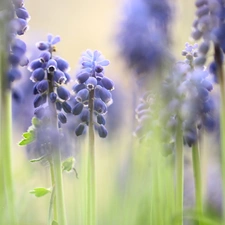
(91,78)
(144,34)
(49,69)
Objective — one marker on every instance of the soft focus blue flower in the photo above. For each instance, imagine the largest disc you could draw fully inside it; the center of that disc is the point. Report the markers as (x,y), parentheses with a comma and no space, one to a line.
(144,34)
(187,94)
(15,19)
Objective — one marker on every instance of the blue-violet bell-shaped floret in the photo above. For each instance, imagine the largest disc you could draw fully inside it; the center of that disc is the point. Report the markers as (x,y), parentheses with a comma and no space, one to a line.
(77,109)
(102,131)
(63,93)
(82,95)
(66,107)
(42,86)
(40,100)
(53,97)
(38,75)
(99,106)
(91,82)
(85,115)
(80,129)
(59,77)
(62,117)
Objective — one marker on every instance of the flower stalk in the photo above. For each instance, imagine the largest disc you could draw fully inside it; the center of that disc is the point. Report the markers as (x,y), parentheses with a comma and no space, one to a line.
(197,180)
(6,132)
(56,174)
(179,170)
(90,201)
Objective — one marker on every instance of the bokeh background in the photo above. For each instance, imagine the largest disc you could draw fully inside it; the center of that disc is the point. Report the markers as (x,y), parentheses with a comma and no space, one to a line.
(90,24)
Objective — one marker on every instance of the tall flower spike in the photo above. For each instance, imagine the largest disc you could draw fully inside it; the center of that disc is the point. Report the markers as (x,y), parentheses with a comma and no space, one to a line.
(92,92)
(49,69)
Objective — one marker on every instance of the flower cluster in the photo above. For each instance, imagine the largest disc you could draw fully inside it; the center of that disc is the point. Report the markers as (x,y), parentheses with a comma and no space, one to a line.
(192,99)
(49,73)
(92,92)
(210,16)
(187,94)
(210,26)
(144,36)
(17,25)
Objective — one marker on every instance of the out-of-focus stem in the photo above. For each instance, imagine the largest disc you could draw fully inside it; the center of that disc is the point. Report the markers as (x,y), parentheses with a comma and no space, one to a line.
(198,180)
(53,206)
(179,173)
(6,130)
(220,75)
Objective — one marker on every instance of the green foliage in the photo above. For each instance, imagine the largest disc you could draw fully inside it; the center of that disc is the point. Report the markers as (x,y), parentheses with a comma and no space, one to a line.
(38,159)
(54,222)
(40,191)
(29,136)
(68,164)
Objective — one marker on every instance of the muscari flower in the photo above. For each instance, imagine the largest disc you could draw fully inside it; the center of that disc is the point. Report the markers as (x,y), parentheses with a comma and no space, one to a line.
(49,69)
(89,79)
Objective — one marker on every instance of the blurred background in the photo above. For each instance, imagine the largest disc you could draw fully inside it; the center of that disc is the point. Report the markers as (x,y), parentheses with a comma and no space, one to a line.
(89,24)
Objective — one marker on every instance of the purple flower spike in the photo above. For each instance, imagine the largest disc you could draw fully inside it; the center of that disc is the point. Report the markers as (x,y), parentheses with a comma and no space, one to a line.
(92,82)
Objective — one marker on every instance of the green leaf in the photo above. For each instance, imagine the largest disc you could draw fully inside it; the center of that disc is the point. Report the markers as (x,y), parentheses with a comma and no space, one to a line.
(29,136)
(54,222)
(26,134)
(35,121)
(68,164)
(39,192)
(38,159)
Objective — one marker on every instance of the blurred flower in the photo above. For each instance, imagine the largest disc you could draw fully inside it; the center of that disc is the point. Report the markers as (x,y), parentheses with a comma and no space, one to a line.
(15,18)
(144,34)
(187,94)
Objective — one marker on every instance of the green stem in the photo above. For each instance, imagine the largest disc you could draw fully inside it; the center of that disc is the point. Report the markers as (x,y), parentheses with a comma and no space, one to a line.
(6,130)
(52,200)
(52,205)
(60,213)
(6,148)
(90,195)
(179,172)
(220,75)
(198,180)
